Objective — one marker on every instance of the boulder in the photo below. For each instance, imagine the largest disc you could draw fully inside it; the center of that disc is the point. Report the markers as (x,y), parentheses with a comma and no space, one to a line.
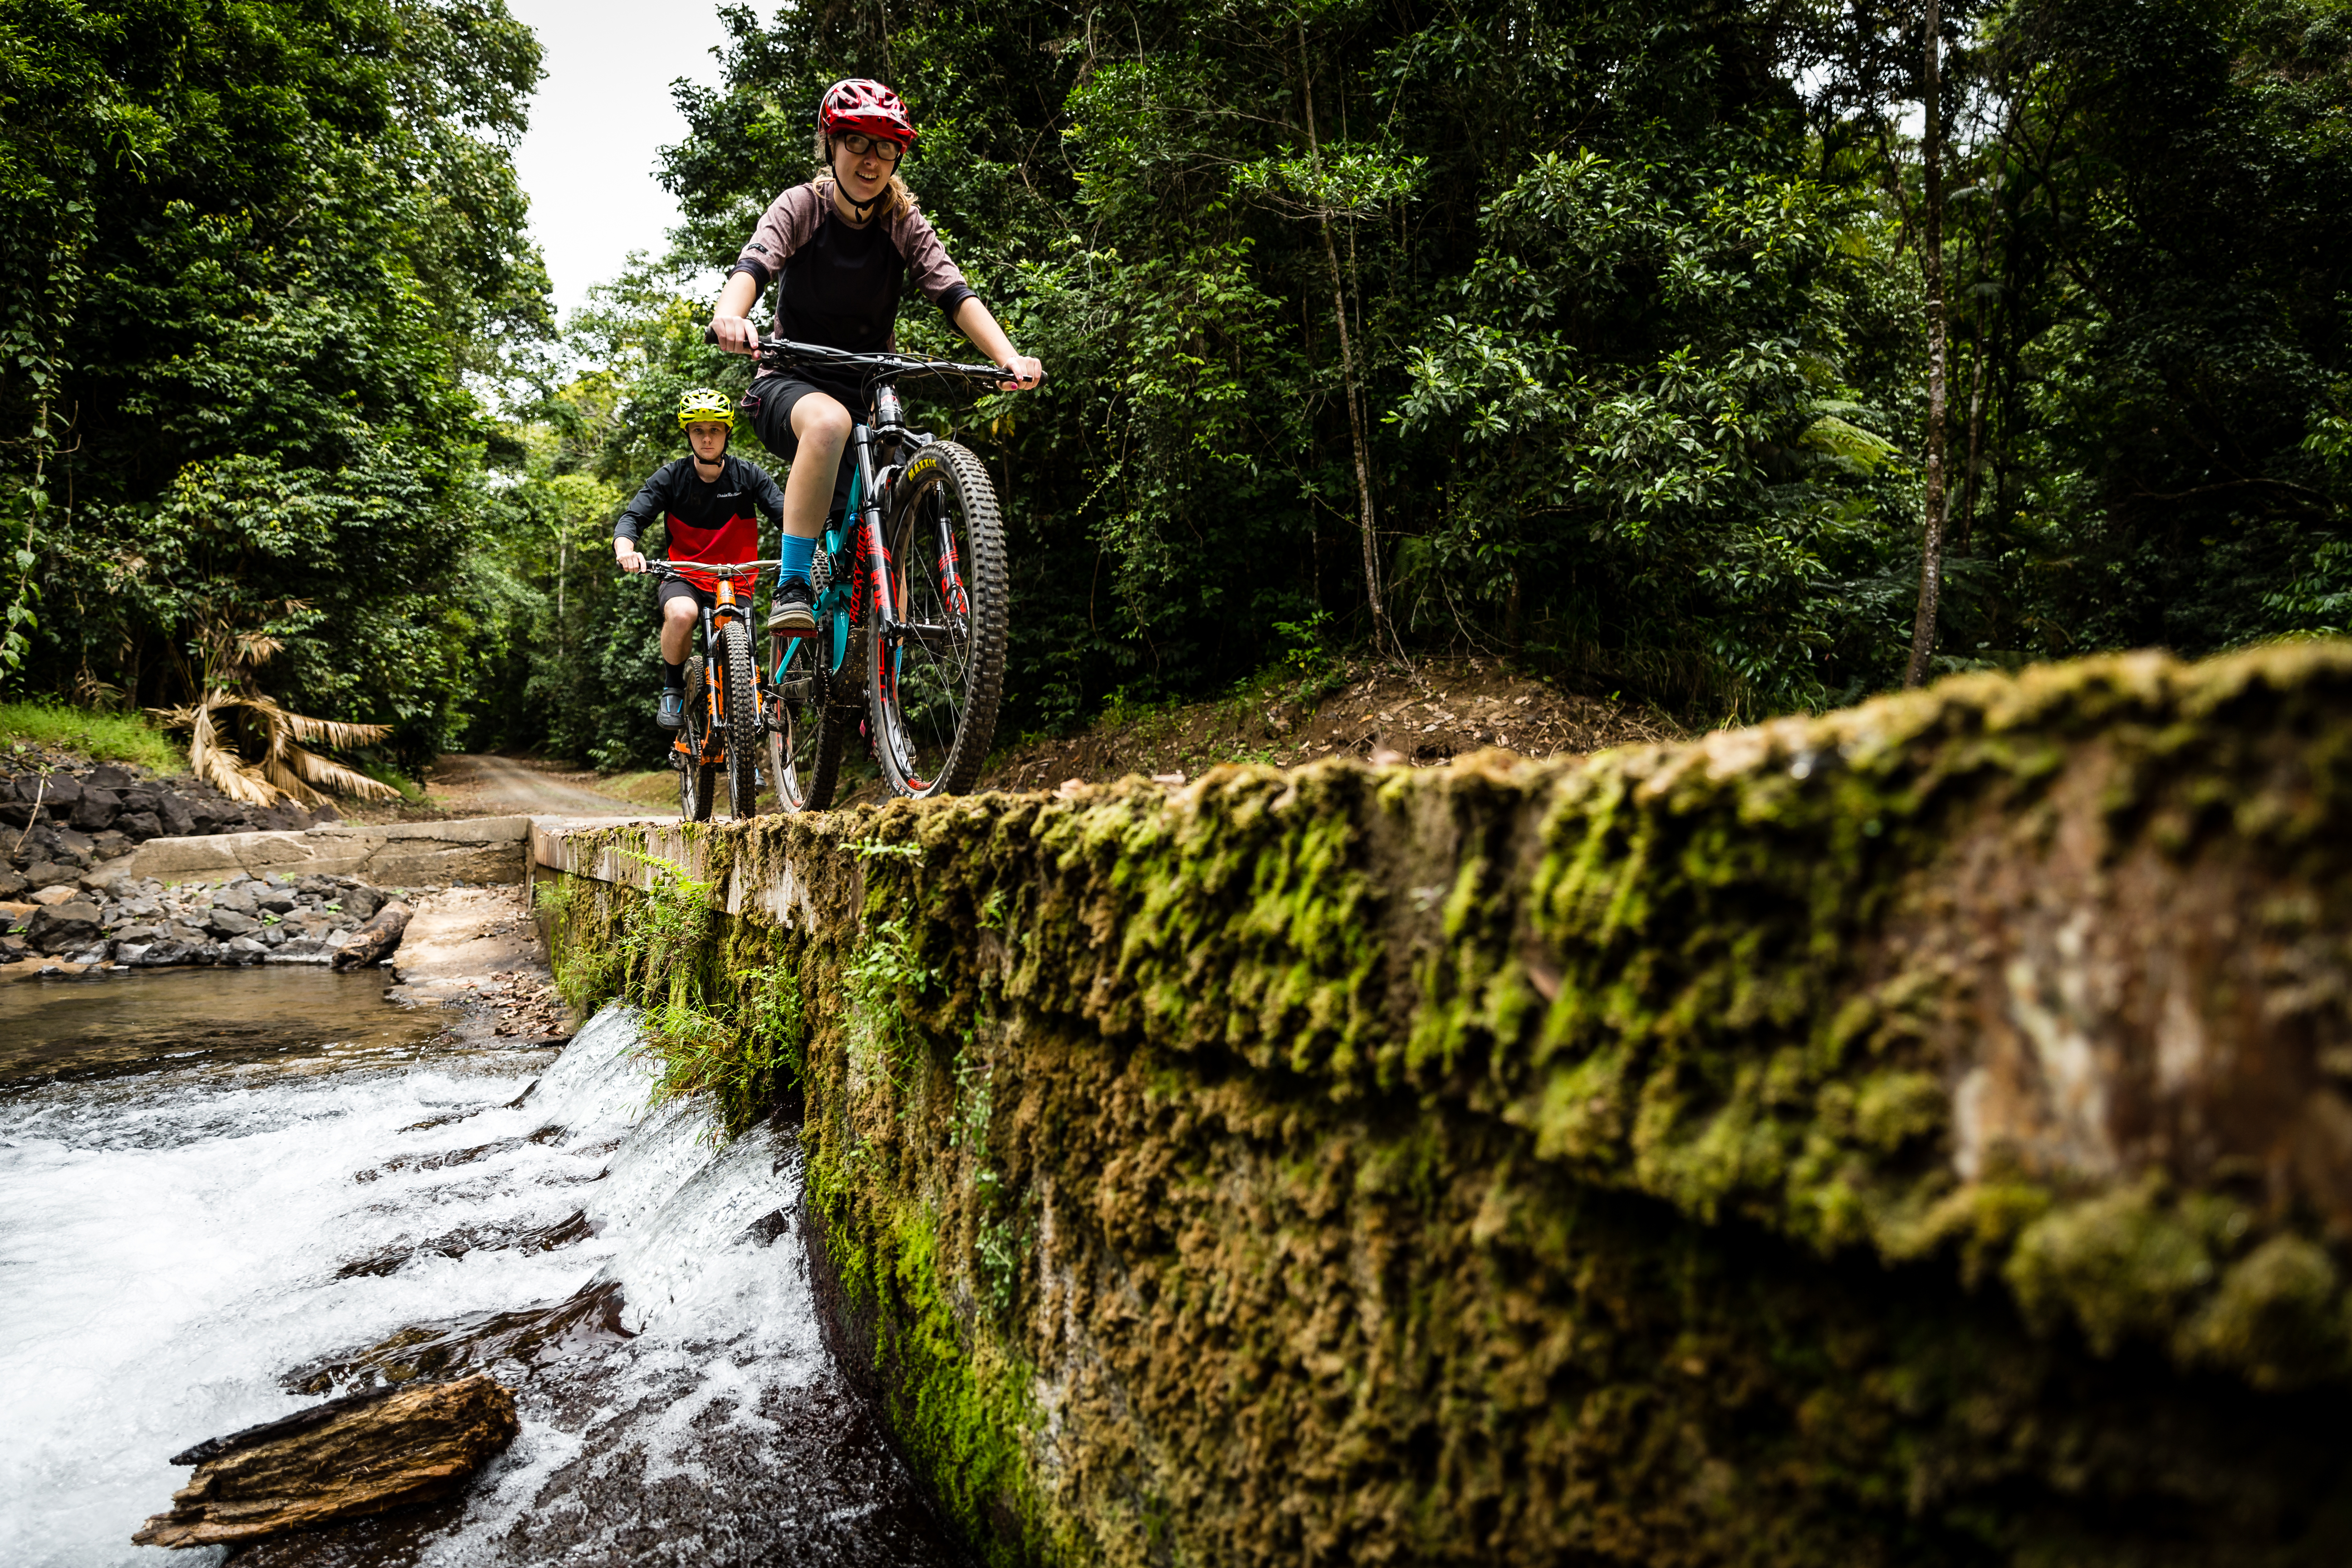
(55,893)
(59,928)
(301,950)
(58,799)
(96,808)
(277,900)
(343,1460)
(106,775)
(235,895)
(12,882)
(157,953)
(140,825)
(178,821)
(362,903)
(228,922)
(243,949)
(51,873)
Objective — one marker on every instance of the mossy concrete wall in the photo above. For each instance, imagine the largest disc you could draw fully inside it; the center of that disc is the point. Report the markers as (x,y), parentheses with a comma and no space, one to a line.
(1917,1135)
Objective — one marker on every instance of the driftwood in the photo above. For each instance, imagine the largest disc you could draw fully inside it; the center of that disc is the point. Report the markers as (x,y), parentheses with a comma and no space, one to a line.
(410,1444)
(373,942)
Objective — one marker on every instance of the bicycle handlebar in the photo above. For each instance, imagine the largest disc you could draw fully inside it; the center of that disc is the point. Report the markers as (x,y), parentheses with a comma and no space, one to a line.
(778,352)
(656,564)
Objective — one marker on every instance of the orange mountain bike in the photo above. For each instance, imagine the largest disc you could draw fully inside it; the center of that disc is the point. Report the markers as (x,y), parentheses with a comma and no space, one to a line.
(725,696)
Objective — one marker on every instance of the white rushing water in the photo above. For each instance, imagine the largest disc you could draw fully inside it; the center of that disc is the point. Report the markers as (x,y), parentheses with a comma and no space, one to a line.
(175,1244)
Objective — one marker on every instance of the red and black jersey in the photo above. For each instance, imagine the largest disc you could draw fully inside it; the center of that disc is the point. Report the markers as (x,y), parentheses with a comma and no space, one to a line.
(713,522)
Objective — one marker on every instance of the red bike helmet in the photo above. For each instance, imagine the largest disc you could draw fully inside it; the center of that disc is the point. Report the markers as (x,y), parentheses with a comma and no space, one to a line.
(858,104)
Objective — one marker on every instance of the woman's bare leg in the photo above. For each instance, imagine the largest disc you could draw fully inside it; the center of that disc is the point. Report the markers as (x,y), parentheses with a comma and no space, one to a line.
(822,427)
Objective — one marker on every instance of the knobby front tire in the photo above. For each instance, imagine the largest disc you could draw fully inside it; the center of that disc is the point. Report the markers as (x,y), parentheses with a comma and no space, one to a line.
(803,739)
(696,780)
(932,691)
(740,704)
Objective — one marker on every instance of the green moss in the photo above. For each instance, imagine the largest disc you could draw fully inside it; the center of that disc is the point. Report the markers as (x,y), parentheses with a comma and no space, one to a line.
(1670,1155)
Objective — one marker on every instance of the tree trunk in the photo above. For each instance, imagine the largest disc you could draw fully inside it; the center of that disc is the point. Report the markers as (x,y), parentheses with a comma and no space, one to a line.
(1931,261)
(1972,481)
(375,941)
(1384,637)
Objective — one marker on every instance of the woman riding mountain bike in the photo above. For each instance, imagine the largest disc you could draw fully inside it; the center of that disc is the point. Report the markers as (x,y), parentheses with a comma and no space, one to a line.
(839,249)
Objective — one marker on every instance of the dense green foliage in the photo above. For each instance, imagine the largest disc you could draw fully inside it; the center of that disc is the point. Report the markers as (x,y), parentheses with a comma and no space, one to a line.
(1635,336)
(249,253)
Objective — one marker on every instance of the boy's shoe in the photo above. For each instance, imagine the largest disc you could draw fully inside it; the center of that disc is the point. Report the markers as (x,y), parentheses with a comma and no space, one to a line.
(670,711)
(794,609)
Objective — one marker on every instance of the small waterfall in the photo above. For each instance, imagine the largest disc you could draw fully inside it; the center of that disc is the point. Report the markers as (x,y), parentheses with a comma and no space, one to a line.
(188,1250)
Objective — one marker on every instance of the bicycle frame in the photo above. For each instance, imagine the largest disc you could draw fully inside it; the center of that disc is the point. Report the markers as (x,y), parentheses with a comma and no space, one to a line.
(713,617)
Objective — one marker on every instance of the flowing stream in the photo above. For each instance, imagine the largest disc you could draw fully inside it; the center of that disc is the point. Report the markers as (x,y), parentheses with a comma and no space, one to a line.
(224,1197)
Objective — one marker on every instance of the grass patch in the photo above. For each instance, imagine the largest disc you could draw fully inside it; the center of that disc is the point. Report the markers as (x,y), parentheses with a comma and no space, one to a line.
(654,787)
(104,737)
(410,790)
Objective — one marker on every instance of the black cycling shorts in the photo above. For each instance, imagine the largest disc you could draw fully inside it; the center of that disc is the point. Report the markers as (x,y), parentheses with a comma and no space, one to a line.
(770,404)
(677,588)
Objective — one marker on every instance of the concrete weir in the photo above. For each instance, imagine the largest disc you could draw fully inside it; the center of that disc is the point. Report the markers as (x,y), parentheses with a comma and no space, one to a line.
(1919,1133)
(404,854)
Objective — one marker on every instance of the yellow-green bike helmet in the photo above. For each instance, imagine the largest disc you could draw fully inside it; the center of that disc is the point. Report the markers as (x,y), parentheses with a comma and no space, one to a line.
(705,406)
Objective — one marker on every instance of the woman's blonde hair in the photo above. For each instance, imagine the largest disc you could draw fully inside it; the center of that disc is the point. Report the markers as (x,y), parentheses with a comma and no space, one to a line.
(897,195)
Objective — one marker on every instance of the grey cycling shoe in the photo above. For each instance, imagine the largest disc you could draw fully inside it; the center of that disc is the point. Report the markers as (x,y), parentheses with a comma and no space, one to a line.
(670,711)
(794,609)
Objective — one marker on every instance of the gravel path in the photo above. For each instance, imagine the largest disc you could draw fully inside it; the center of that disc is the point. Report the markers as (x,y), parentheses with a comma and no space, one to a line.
(477,783)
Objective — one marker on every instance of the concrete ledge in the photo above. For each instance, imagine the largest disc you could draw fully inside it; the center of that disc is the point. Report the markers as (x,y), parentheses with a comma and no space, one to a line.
(395,855)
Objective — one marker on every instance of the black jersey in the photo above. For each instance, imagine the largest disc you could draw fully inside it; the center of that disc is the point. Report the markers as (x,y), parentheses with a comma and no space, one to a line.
(839,284)
(707,521)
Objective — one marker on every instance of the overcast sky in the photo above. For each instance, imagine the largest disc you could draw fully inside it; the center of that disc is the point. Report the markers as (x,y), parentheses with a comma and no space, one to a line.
(597,127)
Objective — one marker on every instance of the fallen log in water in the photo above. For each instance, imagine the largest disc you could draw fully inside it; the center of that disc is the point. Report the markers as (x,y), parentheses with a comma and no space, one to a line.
(374,941)
(364,1455)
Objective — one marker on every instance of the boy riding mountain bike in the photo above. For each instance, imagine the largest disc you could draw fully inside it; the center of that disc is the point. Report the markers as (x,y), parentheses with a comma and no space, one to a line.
(840,249)
(705,502)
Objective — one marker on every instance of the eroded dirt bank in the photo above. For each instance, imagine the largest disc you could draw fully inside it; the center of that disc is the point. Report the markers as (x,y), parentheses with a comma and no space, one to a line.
(1918,1134)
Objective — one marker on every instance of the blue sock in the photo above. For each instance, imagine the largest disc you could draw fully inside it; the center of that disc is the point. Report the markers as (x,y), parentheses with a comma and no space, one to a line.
(795,553)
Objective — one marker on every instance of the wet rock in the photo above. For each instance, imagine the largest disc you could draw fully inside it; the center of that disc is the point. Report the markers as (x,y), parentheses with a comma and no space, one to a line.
(140,826)
(301,950)
(96,808)
(228,922)
(244,950)
(13,952)
(59,927)
(278,900)
(156,954)
(178,820)
(343,1460)
(51,873)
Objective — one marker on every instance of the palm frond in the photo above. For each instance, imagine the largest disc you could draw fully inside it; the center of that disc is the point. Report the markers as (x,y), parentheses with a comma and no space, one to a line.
(286,769)
(335,776)
(220,766)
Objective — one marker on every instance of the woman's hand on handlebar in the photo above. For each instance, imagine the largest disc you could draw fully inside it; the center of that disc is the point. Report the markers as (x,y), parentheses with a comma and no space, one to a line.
(735,334)
(1026,372)
(627,555)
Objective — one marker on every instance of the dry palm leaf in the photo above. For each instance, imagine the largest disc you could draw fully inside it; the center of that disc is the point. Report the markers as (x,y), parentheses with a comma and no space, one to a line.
(289,770)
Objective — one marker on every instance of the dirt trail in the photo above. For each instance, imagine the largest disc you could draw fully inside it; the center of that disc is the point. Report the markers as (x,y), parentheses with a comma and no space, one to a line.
(478,784)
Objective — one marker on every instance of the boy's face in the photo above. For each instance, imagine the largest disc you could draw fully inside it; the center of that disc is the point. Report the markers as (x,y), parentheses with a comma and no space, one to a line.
(707,439)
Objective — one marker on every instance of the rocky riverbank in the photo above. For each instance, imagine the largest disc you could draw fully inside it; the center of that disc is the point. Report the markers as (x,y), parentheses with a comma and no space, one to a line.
(137,922)
(61,816)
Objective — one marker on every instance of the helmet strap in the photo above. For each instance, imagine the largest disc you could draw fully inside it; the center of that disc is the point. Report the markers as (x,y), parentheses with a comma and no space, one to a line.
(864,208)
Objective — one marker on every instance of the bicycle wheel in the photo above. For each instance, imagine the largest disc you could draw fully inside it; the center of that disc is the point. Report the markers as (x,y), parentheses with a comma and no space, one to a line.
(739,705)
(696,778)
(803,737)
(934,679)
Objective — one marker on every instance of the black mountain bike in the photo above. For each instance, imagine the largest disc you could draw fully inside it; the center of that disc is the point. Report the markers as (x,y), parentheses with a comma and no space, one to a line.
(725,699)
(911,583)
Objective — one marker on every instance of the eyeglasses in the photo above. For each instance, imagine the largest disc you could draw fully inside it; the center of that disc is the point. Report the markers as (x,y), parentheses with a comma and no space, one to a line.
(880,147)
